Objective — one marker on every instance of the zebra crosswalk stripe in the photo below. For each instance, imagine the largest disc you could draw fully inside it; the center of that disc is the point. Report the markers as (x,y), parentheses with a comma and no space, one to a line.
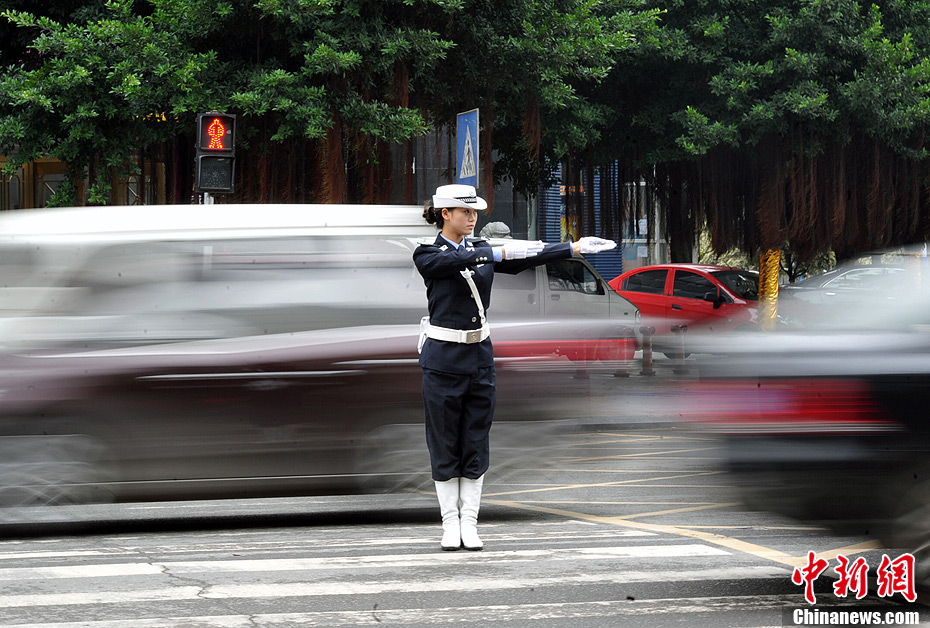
(476,615)
(372,587)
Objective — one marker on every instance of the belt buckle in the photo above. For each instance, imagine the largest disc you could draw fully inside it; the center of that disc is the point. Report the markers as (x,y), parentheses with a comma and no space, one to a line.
(472,336)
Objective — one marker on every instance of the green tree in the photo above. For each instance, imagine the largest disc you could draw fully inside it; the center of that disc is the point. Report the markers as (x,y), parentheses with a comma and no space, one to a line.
(531,66)
(99,93)
(773,122)
(321,79)
(337,76)
(786,121)
(323,87)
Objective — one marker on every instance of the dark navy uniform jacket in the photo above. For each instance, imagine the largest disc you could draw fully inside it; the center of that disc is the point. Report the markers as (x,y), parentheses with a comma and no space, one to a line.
(451,303)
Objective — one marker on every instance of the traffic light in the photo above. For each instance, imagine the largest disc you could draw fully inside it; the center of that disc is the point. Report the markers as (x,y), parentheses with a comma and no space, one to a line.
(216,152)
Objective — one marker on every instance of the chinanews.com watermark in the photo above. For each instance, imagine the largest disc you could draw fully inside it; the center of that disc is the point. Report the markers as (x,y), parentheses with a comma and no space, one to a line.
(895,582)
(860,616)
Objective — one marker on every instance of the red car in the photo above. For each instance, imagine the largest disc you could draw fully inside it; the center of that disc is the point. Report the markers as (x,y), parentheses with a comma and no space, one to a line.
(700,296)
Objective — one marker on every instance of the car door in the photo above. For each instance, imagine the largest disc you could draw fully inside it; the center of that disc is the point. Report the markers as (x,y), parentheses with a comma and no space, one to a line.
(515,296)
(572,289)
(646,290)
(688,304)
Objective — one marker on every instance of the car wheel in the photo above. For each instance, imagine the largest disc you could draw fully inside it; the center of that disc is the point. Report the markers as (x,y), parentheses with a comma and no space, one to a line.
(675,355)
(48,470)
(521,447)
(393,458)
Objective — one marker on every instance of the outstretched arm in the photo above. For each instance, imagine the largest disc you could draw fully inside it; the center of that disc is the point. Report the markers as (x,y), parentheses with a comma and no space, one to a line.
(550,252)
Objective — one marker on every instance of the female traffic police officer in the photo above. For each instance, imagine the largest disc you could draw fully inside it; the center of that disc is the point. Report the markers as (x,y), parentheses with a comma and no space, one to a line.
(456,354)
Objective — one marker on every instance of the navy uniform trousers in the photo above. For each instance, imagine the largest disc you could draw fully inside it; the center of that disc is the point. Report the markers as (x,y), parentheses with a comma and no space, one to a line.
(459,409)
(459,381)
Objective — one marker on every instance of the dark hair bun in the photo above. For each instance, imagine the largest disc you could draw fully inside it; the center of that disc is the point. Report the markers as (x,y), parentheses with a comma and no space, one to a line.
(430,214)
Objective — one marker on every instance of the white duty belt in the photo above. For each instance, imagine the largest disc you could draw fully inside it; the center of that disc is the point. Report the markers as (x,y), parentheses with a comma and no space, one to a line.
(464,336)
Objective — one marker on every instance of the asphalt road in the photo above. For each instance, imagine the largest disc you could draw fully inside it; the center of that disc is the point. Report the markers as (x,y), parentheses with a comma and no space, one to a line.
(638,526)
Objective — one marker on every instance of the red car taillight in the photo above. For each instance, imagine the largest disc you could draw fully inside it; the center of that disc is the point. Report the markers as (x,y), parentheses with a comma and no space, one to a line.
(784,406)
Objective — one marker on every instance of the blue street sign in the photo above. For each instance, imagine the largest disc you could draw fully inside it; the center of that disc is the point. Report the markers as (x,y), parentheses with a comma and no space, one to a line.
(466,139)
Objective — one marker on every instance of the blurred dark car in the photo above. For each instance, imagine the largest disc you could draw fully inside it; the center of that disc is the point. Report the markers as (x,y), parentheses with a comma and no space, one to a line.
(830,425)
(697,296)
(838,291)
(237,351)
(335,410)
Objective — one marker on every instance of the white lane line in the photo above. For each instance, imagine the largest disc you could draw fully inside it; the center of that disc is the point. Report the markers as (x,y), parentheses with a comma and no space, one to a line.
(225,542)
(350,588)
(481,615)
(105,570)
(64,554)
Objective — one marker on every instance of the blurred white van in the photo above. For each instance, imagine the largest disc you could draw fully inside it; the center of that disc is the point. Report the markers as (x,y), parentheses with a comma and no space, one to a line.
(111,276)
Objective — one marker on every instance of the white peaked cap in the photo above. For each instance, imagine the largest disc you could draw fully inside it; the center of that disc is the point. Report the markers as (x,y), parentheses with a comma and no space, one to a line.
(458,195)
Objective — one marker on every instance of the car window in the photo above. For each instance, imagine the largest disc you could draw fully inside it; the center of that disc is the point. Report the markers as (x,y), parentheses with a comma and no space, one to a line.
(690,285)
(648,281)
(572,276)
(817,281)
(858,278)
(742,283)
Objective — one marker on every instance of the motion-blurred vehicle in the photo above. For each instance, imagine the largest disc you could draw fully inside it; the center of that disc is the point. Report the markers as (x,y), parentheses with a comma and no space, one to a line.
(230,351)
(113,276)
(697,297)
(333,410)
(830,425)
(839,291)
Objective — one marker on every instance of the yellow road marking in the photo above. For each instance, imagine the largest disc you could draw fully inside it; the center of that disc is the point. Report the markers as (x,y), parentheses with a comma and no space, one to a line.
(642,455)
(637,442)
(637,435)
(621,503)
(856,548)
(701,533)
(754,527)
(563,487)
(686,458)
(715,539)
(638,438)
(569,470)
(745,547)
(672,511)
(687,486)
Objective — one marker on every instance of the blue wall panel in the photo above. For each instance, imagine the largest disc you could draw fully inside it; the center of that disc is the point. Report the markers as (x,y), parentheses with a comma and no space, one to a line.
(551,209)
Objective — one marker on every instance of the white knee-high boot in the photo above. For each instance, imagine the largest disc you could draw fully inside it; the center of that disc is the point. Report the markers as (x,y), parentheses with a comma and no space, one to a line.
(448,494)
(470,492)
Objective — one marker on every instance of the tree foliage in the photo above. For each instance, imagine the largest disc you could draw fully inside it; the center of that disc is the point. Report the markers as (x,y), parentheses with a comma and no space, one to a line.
(798,121)
(92,94)
(323,87)
(769,121)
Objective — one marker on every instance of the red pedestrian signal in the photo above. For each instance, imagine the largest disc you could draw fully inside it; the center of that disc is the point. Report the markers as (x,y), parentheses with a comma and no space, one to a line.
(216,153)
(216,131)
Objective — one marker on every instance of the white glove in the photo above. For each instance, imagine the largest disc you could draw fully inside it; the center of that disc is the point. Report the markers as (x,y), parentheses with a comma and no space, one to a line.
(590,244)
(521,250)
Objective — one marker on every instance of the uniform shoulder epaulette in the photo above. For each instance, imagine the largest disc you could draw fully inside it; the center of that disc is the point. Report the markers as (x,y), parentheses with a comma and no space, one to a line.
(426,241)
(475,240)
